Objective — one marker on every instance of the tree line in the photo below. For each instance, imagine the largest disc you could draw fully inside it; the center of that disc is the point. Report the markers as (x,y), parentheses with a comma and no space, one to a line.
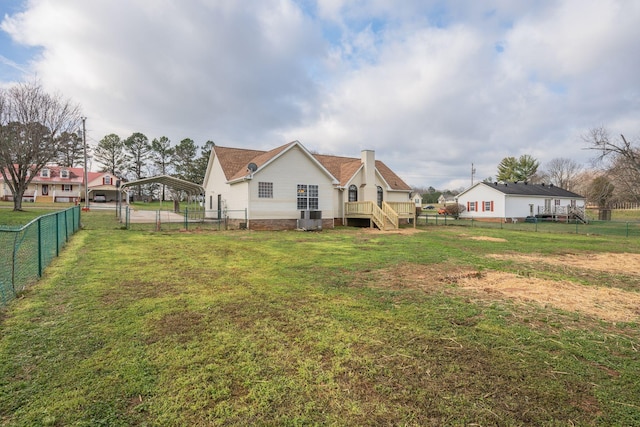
(38,128)
(136,157)
(612,178)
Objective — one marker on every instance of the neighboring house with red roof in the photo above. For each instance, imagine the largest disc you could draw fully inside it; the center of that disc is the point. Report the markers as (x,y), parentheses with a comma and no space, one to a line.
(276,189)
(64,184)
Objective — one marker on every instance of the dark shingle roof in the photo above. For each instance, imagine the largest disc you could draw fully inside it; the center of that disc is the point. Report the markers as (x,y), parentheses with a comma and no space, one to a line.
(526,189)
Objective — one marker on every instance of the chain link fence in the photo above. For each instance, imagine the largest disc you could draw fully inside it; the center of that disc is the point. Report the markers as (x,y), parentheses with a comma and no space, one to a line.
(26,251)
(189,219)
(595,227)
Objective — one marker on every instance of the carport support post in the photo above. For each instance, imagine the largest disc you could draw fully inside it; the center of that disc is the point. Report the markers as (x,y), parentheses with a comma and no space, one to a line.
(186,216)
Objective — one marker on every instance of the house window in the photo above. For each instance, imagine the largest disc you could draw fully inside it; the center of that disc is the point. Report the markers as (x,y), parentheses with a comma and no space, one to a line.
(44,173)
(557,201)
(380,196)
(353,193)
(64,173)
(307,197)
(107,180)
(265,190)
(67,187)
(472,206)
(487,206)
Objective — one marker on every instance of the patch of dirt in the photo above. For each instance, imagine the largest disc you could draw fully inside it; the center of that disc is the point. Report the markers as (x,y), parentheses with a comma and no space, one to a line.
(604,303)
(407,230)
(608,304)
(181,326)
(134,290)
(624,263)
(488,239)
(426,277)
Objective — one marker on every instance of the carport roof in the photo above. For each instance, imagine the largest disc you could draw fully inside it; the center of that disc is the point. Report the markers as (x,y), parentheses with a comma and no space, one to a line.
(169,181)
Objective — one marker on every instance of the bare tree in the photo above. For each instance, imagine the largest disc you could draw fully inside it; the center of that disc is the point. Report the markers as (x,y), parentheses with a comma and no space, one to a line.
(31,122)
(621,159)
(563,172)
(601,191)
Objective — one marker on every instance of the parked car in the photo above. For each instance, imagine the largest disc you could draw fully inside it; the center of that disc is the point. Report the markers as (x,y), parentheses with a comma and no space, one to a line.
(429,207)
(100,198)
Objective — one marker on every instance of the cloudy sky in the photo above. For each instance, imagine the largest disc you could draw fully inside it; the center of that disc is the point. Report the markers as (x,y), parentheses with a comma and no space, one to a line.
(431,86)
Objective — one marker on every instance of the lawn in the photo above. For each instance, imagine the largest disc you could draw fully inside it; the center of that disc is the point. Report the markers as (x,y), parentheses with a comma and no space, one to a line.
(443,326)
(11,218)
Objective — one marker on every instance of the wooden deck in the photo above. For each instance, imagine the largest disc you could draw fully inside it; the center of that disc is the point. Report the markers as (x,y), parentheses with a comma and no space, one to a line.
(386,218)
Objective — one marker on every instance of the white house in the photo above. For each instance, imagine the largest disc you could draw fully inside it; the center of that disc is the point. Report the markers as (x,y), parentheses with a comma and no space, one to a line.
(274,189)
(511,201)
(417,199)
(64,184)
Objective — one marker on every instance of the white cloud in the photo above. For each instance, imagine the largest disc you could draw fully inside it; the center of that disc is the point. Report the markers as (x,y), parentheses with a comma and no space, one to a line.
(431,86)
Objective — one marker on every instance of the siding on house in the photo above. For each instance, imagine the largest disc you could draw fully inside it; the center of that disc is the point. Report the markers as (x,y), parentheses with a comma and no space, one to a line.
(283,205)
(514,200)
(285,167)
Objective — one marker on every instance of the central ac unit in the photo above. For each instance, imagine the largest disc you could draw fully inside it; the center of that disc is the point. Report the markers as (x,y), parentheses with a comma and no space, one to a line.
(310,220)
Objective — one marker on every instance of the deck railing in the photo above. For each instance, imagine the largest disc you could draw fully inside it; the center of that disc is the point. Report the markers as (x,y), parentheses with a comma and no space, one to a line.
(358,208)
(390,213)
(403,209)
(561,210)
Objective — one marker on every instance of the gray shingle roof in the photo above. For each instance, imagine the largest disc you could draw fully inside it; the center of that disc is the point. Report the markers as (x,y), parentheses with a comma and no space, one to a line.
(526,189)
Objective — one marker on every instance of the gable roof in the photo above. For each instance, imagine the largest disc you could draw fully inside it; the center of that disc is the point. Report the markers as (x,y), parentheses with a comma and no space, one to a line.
(234,163)
(526,189)
(75,175)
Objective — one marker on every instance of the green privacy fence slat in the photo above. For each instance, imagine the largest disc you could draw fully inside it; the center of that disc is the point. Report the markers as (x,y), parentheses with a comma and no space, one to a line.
(26,251)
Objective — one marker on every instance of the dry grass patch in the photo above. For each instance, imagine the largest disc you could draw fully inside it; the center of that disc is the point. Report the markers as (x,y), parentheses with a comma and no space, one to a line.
(426,277)
(608,304)
(623,263)
(604,303)
(488,239)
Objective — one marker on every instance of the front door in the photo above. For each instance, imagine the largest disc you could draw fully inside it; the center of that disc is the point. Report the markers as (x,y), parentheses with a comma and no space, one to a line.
(45,189)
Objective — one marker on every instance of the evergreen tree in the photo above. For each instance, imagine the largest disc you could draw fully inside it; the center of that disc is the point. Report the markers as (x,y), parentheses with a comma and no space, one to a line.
(138,150)
(110,153)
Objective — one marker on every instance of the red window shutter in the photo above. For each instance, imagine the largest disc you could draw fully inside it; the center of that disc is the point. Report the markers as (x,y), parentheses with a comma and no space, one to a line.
(492,206)
(103,180)
(468,203)
(482,206)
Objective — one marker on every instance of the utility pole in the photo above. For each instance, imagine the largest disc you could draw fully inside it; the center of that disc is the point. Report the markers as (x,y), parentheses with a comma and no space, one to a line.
(473,172)
(86,174)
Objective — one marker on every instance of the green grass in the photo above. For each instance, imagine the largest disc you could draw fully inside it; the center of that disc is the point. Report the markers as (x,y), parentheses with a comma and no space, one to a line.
(291,328)
(11,218)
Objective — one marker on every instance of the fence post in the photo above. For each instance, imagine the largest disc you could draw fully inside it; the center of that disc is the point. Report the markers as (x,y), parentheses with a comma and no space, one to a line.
(186,216)
(57,217)
(39,247)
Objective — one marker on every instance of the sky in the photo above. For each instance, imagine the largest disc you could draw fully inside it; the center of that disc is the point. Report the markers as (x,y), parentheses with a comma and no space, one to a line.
(432,86)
